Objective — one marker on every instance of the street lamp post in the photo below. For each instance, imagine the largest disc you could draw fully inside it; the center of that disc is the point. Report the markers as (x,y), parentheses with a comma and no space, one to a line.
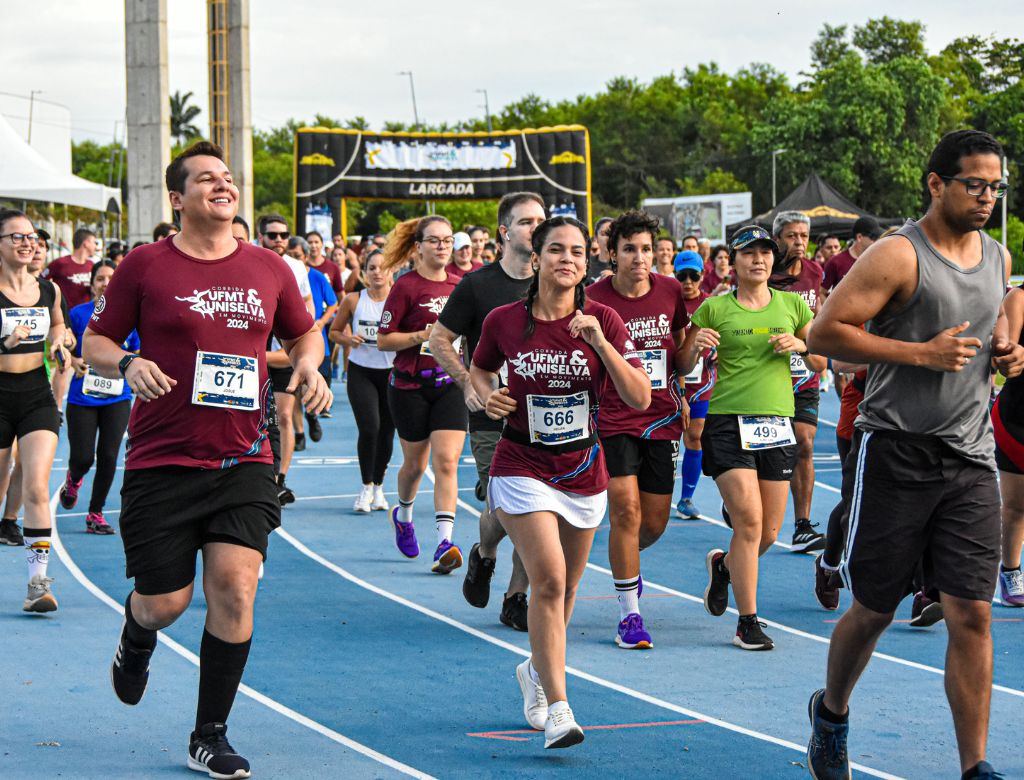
(487,110)
(1006,178)
(412,89)
(31,104)
(775,154)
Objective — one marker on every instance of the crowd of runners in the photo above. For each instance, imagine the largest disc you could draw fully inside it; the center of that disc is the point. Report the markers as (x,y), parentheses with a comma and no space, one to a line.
(592,374)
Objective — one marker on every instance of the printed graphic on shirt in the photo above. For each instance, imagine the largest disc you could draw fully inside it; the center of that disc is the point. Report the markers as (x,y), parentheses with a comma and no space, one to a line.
(550,363)
(230,303)
(435,305)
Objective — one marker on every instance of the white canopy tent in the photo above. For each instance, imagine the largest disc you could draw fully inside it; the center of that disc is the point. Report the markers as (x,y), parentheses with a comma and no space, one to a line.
(27,175)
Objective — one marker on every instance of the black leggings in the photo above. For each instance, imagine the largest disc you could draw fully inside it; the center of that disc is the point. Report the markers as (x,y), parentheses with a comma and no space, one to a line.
(110,421)
(368,396)
(835,535)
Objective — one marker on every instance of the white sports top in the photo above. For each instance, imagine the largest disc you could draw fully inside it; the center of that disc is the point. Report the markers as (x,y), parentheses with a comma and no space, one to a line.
(365,321)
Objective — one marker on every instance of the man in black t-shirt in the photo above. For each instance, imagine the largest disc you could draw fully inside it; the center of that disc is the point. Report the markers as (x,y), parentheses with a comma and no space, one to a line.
(601,265)
(479,293)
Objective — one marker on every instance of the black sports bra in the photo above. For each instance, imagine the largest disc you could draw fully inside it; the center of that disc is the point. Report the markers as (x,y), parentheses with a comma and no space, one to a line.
(37,317)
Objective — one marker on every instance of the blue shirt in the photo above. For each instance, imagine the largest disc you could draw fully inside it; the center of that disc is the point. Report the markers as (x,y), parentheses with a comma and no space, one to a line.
(79,317)
(323,296)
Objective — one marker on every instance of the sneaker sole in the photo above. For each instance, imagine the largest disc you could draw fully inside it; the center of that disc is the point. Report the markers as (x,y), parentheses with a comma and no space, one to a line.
(10,543)
(708,562)
(478,600)
(507,621)
(814,545)
(522,688)
(754,648)
(929,616)
(195,766)
(641,645)
(41,605)
(572,737)
(448,562)
(101,531)
(361,510)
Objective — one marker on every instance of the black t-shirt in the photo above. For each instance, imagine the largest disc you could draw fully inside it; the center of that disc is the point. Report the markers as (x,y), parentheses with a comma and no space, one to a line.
(596,267)
(479,293)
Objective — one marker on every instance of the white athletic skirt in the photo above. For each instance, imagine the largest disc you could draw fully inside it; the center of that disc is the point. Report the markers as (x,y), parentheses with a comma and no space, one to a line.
(520,495)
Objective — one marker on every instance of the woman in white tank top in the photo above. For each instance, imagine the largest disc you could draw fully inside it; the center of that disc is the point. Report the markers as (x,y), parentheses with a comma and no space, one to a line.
(355,326)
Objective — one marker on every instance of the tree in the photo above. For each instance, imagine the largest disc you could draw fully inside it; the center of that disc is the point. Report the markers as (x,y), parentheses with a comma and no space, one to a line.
(182,116)
(829,47)
(885,39)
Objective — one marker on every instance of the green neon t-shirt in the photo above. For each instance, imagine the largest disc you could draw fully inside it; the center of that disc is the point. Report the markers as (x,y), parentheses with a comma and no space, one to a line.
(752,379)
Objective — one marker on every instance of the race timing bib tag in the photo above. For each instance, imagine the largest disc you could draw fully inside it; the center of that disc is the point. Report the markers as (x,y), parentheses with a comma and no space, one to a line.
(698,371)
(797,368)
(456,345)
(368,330)
(35,318)
(96,386)
(763,433)
(226,381)
(653,361)
(558,419)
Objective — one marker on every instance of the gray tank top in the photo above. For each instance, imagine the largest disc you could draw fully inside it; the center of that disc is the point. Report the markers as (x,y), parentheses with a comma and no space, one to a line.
(950,406)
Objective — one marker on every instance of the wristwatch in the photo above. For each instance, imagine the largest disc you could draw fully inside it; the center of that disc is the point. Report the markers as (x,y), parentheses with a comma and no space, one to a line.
(125,362)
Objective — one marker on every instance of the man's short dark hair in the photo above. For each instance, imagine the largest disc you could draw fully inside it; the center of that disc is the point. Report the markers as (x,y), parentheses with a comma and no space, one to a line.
(164,229)
(954,146)
(509,201)
(665,238)
(477,229)
(245,225)
(79,236)
(690,236)
(827,236)
(631,223)
(266,219)
(177,174)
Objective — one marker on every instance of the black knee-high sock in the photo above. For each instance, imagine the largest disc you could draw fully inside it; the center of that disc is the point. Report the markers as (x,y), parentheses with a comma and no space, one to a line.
(221,665)
(140,636)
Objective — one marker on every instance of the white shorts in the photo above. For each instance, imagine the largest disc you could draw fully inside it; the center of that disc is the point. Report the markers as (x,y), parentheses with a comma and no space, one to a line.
(520,495)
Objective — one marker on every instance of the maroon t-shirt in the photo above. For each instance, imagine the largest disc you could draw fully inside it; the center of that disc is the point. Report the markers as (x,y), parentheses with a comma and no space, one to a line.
(836,267)
(454,270)
(413,303)
(333,274)
(72,278)
(180,305)
(808,285)
(650,321)
(700,390)
(550,362)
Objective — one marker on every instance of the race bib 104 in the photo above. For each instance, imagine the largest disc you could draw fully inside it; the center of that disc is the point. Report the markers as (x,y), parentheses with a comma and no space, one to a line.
(226,381)
(368,330)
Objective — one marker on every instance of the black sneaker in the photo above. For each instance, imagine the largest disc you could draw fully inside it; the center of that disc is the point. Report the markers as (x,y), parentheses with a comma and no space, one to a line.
(749,635)
(10,533)
(513,611)
(209,751)
(716,594)
(315,431)
(300,442)
(806,539)
(325,414)
(476,587)
(925,611)
(480,491)
(826,586)
(827,757)
(129,673)
(285,495)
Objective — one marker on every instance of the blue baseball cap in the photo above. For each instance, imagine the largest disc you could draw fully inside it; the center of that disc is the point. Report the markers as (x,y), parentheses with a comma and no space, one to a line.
(688,260)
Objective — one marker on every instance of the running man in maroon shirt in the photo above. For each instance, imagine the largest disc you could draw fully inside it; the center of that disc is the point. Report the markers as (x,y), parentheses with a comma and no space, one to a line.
(72,273)
(198,472)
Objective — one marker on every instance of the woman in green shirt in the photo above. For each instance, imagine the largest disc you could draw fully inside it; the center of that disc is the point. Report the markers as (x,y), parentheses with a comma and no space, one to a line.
(748,441)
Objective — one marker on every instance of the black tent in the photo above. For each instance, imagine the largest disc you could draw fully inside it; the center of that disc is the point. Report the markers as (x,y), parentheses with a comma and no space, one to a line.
(829,211)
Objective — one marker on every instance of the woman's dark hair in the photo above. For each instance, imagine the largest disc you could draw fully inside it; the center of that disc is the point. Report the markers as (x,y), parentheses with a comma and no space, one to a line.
(629,224)
(716,249)
(97,266)
(9,214)
(540,236)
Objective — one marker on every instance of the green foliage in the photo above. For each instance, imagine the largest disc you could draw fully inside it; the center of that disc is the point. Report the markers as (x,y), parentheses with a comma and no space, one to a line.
(885,39)
(1014,240)
(182,116)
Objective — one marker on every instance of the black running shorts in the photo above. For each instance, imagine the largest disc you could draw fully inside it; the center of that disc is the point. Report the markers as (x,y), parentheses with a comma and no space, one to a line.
(280,378)
(169,512)
(723,452)
(651,461)
(418,413)
(26,405)
(806,403)
(915,499)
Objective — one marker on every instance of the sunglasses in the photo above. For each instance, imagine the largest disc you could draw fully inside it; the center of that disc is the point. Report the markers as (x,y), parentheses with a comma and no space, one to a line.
(277,236)
(688,276)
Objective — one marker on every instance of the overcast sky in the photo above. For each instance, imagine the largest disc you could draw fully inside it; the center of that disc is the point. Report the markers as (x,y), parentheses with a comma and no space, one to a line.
(341,59)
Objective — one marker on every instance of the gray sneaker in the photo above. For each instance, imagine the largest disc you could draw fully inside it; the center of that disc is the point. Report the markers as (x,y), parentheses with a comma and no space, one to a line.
(39,598)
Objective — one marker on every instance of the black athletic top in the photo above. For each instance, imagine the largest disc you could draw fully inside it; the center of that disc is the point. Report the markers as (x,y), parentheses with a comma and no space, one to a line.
(8,309)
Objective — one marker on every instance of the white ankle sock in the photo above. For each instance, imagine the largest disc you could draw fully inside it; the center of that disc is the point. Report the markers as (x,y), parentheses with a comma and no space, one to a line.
(445,522)
(629,596)
(405,511)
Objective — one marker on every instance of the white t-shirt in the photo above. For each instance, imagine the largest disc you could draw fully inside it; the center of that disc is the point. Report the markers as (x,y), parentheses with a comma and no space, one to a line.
(301,275)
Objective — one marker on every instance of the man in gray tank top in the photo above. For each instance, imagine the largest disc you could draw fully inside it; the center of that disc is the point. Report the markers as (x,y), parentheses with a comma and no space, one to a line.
(925,487)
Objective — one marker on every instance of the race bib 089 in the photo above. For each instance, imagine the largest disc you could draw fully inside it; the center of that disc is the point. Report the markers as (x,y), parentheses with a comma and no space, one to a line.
(97,386)
(226,381)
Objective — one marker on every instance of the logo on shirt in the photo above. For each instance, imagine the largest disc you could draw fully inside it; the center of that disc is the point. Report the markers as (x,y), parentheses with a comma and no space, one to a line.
(385,320)
(101,304)
(83,279)
(548,363)
(435,305)
(654,327)
(226,301)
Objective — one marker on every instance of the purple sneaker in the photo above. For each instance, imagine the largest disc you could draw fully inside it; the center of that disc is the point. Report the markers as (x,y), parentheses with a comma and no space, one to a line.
(1011,587)
(447,558)
(69,492)
(632,635)
(405,536)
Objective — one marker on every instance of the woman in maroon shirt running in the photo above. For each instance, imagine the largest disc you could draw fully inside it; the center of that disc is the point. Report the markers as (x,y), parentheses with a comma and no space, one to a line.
(426,405)
(548,477)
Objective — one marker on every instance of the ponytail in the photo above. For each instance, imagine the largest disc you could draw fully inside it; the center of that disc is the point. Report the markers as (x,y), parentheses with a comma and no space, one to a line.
(402,240)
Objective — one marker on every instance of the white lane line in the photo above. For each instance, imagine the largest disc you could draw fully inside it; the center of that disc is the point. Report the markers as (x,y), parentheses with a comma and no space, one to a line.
(345,574)
(828,422)
(781,626)
(192,658)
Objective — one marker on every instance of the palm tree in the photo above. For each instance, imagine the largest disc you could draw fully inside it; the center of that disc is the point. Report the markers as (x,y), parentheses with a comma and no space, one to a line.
(182,115)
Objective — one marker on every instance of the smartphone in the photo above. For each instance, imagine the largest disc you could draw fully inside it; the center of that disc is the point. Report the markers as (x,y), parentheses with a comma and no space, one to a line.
(59,354)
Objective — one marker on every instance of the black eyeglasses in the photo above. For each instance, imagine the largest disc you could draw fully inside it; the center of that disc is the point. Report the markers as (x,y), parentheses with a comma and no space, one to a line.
(977,187)
(688,276)
(21,238)
(275,236)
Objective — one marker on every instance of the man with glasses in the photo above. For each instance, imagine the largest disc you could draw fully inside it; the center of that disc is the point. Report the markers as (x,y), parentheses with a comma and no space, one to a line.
(925,480)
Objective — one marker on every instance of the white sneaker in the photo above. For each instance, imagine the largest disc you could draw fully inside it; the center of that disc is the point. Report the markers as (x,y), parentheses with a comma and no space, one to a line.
(561,729)
(379,501)
(535,703)
(39,598)
(362,503)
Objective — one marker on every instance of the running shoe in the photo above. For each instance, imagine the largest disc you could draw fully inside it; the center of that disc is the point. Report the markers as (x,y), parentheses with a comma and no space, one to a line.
(632,635)
(362,503)
(96,524)
(925,611)
(1011,586)
(687,510)
(447,558)
(725,516)
(405,536)
(561,729)
(514,611)
(983,770)
(476,587)
(535,703)
(285,495)
(805,538)
(10,533)
(316,433)
(209,751)
(716,594)
(827,758)
(69,491)
(749,635)
(480,491)
(129,673)
(325,414)
(826,585)
(39,598)
(300,442)
(378,502)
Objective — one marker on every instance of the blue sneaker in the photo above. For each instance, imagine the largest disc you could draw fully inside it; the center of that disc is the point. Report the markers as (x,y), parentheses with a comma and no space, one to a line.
(447,558)
(405,536)
(827,758)
(632,635)
(687,510)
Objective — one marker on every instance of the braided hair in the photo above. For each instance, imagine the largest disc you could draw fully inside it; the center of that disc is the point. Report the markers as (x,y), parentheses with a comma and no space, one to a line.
(539,237)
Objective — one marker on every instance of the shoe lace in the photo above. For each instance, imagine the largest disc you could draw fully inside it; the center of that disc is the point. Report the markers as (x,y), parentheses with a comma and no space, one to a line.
(1015,579)
(560,717)
(633,622)
(832,745)
(97,518)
